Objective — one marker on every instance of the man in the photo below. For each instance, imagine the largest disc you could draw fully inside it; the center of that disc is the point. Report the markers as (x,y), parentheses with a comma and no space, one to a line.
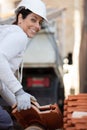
(30,15)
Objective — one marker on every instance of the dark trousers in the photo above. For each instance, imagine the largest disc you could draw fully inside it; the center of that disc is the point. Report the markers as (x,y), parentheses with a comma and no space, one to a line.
(6,122)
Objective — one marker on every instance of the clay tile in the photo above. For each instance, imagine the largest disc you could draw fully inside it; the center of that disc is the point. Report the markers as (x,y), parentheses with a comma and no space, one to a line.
(48,116)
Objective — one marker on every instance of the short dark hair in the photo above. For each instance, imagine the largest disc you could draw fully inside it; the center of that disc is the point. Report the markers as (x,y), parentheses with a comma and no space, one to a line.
(23,11)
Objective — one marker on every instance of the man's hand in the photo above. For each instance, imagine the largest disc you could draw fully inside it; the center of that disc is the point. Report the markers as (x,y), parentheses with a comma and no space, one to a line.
(23,100)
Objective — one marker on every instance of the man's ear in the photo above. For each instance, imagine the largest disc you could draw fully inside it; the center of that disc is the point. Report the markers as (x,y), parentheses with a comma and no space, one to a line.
(20,18)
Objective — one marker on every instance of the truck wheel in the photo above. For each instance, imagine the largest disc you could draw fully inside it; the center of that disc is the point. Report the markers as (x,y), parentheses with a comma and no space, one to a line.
(35,127)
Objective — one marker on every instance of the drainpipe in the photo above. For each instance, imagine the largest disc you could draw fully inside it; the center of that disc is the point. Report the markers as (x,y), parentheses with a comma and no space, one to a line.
(77,38)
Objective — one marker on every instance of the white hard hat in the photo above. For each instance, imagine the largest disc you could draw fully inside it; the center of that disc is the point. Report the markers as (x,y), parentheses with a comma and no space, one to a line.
(36,6)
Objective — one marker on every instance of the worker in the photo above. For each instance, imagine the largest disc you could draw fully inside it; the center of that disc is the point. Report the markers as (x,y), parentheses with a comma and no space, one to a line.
(14,39)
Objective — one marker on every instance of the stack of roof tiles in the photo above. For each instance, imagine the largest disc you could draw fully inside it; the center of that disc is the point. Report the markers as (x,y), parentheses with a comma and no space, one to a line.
(75,112)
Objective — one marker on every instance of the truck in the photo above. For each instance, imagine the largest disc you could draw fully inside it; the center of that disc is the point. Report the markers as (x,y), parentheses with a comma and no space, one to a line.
(43,67)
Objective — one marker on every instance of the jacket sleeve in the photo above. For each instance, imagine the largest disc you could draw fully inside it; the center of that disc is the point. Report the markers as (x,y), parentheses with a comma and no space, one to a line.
(9,48)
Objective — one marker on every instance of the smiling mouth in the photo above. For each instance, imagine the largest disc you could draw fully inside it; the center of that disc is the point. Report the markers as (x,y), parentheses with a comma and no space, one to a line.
(33,32)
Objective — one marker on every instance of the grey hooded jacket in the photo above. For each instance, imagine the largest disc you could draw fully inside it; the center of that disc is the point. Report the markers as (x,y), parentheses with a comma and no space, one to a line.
(13,42)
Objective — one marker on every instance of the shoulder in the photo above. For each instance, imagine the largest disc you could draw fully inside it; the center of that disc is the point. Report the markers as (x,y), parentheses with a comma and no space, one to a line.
(13,30)
(11,35)
(16,29)
(17,35)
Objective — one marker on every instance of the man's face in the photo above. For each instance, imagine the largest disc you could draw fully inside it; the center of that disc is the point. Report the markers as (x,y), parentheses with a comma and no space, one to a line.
(31,24)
